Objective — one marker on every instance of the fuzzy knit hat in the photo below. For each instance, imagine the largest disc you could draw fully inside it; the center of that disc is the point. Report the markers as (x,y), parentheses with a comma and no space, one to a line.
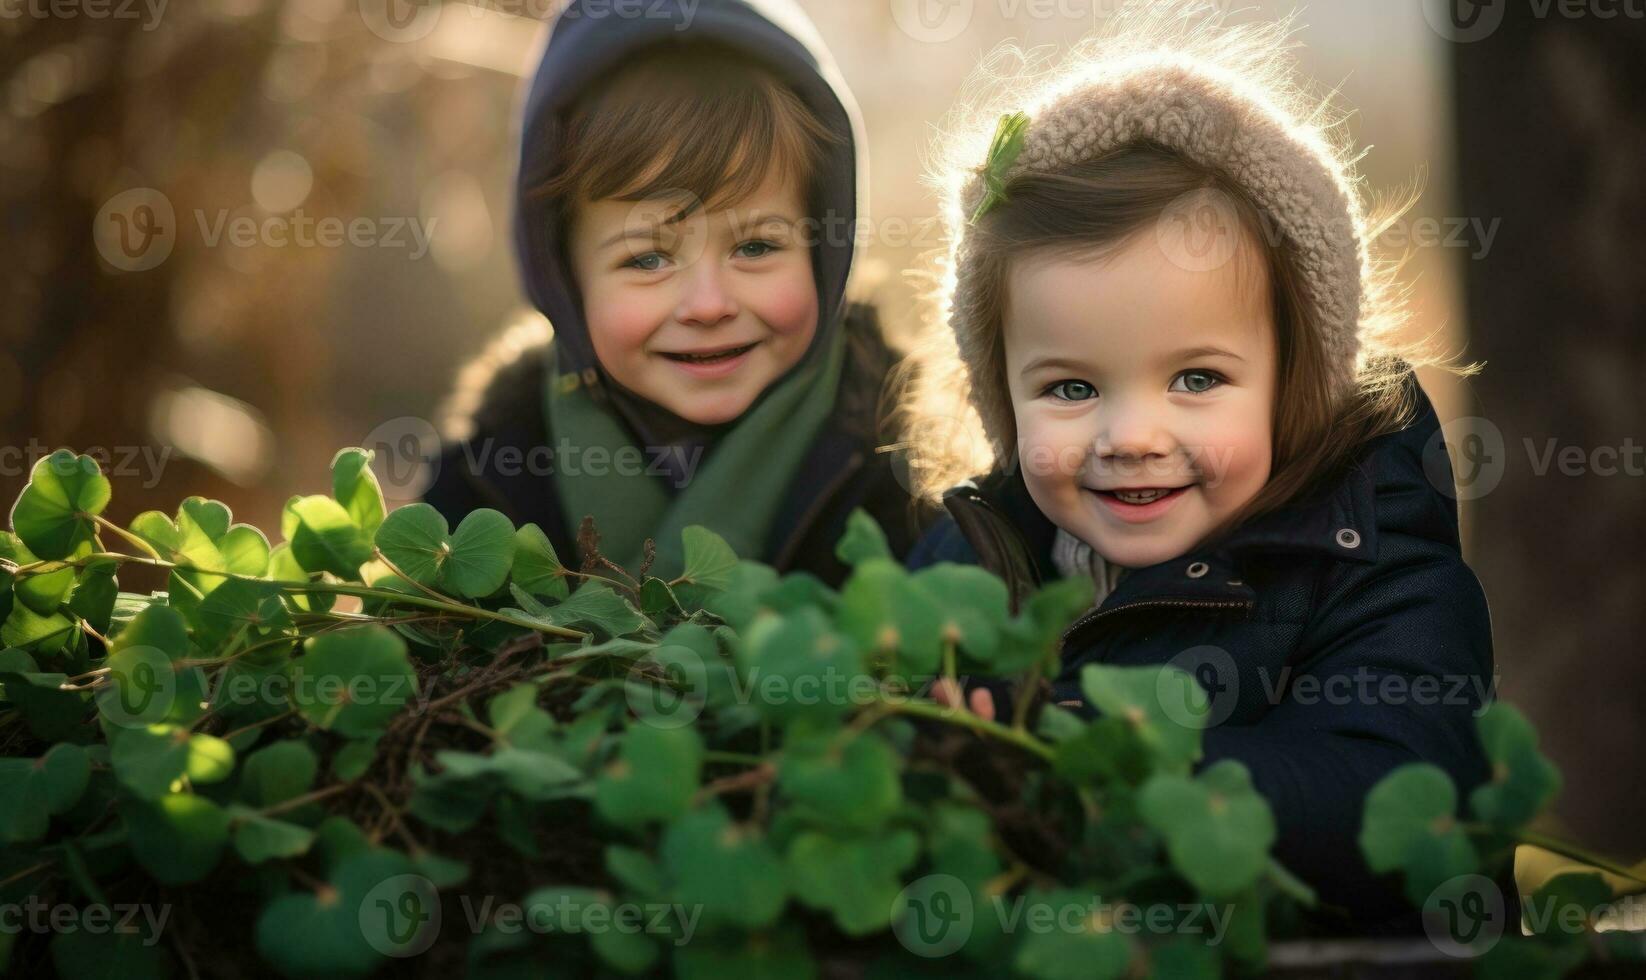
(1219,119)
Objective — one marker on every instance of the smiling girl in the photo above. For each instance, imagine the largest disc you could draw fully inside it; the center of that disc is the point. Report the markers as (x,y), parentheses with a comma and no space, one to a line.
(1164,314)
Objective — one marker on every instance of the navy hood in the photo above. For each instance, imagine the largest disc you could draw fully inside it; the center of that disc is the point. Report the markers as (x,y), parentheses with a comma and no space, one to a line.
(591,39)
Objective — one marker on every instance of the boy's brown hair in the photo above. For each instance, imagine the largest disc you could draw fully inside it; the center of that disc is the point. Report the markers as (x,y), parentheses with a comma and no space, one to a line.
(695,120)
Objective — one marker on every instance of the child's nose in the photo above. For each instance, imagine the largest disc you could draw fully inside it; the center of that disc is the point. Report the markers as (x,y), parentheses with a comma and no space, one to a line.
(1133,433)
(707,300)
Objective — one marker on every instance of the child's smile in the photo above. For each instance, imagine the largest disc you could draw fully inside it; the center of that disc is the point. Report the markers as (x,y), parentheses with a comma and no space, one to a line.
(1143,393)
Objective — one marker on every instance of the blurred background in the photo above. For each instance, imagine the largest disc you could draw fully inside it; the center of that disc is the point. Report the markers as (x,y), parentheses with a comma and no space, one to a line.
(240,234)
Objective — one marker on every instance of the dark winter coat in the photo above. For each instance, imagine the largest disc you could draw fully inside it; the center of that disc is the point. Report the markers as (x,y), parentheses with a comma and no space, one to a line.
(1339,637)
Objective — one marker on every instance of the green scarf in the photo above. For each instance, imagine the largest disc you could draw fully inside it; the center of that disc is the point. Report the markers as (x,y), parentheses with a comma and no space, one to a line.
(735,492)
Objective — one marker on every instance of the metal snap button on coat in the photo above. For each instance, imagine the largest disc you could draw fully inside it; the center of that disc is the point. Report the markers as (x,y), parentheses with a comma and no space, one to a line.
(1198,569)
(1348,538)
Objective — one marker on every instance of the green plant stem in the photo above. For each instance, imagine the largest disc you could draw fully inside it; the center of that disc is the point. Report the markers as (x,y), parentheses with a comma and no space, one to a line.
(19,876)
(45,567)
(339,588)
(259,724)
(738,758)
(1564,849)
(391,566)
(1025,697)
(1290,884)
(134,539)
(366,592)
(614,583)
(966,719)
(305,799)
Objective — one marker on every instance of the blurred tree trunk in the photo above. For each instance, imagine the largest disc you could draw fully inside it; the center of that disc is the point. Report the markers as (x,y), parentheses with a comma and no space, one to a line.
(1551,115)
(95,108)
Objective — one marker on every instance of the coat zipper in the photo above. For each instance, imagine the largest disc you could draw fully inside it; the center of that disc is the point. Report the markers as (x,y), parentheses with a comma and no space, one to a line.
(1093,617)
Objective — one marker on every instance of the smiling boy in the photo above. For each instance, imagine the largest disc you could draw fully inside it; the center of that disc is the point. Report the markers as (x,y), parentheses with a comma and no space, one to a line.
(687,202)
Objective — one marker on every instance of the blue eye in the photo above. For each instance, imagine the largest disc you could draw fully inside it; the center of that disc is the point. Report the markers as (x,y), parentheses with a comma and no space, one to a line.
(1196,382)
(760,249)
(648,262)
(1072,391)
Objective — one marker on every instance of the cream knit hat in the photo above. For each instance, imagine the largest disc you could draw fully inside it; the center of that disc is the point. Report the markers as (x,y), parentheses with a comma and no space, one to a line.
(1219,118)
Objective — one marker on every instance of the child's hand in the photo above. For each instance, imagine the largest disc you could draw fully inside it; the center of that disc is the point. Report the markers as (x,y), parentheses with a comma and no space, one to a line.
(947,693)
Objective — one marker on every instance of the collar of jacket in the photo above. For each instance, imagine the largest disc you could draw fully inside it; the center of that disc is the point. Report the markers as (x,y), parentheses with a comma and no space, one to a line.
(508,413)
(1014,539)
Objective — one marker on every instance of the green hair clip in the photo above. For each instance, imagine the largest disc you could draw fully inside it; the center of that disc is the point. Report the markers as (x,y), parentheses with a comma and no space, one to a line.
(1003,152)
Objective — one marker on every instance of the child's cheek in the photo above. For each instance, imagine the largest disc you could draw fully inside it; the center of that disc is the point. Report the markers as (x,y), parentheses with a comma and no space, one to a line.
(1051,449)
(787,302)
(1235,457)
(621,320)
